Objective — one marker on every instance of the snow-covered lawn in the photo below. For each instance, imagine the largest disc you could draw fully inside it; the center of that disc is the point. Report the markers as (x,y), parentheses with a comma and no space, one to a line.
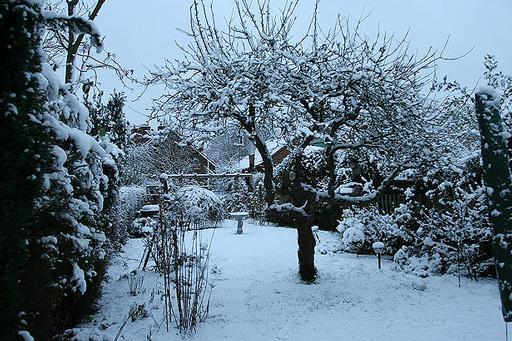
(257,296)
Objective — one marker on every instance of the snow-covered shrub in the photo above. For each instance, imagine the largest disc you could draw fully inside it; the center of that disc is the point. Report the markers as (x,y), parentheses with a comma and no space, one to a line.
(25,157)
(61,249)
(198,206)
(142,226)
(130,200)
(446,215)
(240,195)
(441,228)
(237,200)
(74,207)
(361,227)
(235,194)
(421,266)
(257,204)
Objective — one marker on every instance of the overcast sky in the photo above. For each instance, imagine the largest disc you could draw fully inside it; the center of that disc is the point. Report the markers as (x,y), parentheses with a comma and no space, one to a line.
(142,32)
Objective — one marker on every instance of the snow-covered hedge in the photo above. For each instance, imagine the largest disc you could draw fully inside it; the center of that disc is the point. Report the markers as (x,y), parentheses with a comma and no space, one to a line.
(446,214)
(130,200)
(59,253)
(237,197)
(234,194)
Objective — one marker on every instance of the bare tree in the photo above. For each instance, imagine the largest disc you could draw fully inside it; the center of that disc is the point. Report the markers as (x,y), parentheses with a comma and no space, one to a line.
(68,47)
(337,87)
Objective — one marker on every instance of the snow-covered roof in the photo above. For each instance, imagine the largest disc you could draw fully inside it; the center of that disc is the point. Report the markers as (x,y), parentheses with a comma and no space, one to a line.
(206,157)
(272,146)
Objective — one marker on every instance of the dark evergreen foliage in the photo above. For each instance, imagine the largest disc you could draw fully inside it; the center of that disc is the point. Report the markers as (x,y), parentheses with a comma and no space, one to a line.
(58,184)
(108,121)
(24,154)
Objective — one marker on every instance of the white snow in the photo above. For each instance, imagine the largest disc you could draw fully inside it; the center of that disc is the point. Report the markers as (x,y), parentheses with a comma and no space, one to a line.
(486,90)
(25,335)
(198,204)
(239,215)
(378,245)
(353,235)
(150,208)
(258,296)
(79,279)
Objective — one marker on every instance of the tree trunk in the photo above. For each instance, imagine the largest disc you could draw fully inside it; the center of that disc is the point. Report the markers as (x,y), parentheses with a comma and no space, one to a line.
(306,252)
(305,238)
(74,44)
(266,158)
(331,171)
(70,50)
(268,168)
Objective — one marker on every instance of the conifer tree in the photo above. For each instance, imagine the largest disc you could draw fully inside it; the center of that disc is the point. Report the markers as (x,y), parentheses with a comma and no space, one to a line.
(56,182)
(24,152)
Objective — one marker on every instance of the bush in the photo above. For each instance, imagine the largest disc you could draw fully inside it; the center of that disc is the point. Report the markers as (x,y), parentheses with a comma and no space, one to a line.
(441,228)
(446,212)
(421,266)
(131,199)
(361,227)
(58,184)
(235,194)
(198,206)
(142,227)
(24,155)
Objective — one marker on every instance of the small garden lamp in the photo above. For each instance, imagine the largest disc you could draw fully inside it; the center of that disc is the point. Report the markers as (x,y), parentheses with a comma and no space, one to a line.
(378,247)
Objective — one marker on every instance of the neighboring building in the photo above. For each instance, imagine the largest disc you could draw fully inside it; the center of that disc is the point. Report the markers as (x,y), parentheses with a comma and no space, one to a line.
(140,135)
(279,150)
(174,147)
(205,165)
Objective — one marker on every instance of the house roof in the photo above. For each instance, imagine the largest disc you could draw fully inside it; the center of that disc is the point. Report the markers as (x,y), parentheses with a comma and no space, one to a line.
(142,135)
(273,147)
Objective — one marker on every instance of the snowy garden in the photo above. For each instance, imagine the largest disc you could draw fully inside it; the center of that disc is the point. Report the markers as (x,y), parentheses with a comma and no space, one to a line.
(289,182)
(257,295)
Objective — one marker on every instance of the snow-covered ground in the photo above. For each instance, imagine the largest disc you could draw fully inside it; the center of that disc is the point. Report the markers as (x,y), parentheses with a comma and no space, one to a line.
(257,296)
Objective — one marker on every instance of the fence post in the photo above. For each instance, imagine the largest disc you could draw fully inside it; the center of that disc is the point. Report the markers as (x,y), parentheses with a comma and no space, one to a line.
(498,181)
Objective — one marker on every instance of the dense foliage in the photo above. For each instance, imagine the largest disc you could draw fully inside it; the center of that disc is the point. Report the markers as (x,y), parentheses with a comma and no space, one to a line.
(25,155)
(59,186)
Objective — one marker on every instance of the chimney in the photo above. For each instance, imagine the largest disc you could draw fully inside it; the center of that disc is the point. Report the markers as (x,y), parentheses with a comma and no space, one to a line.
(251,162)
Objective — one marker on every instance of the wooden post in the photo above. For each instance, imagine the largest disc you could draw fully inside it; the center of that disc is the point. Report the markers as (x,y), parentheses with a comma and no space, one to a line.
(499,190)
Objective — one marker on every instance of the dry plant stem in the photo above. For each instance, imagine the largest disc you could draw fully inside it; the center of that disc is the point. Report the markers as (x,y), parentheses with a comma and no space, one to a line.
(183,259)
(135,283)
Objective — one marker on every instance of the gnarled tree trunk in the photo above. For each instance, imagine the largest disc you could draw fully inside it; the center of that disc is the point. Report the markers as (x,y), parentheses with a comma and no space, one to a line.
(305,238)
(306,252)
